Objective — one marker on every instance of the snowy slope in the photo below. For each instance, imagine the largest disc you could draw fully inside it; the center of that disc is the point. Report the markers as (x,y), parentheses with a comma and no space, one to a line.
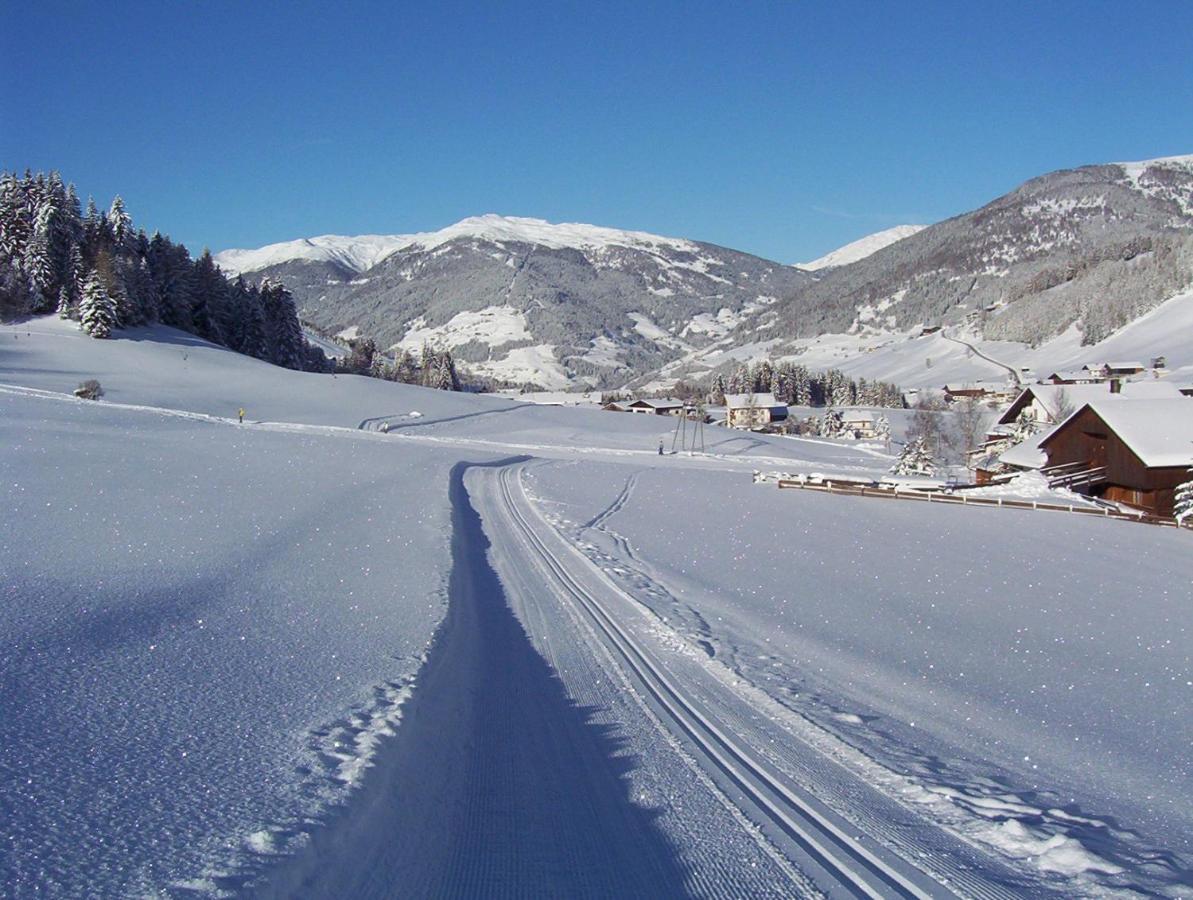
(206,630)
(861,248)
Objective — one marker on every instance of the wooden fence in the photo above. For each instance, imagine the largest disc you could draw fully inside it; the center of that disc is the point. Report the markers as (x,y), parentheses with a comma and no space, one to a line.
(960,499)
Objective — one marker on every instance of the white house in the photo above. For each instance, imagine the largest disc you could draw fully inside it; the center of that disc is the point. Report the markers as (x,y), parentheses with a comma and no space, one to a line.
(753,410)
(657,406)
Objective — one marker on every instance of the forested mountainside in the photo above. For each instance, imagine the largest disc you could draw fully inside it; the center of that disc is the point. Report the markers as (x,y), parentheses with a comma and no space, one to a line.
(523,300)
(98,268)
(1097,246)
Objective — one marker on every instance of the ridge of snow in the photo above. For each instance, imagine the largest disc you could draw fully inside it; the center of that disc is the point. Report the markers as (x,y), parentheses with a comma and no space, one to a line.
(861,248)
(356,253)
(1135,169)
(365,251)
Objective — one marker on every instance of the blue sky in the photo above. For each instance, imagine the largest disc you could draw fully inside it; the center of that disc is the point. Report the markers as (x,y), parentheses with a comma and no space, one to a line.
(783,129)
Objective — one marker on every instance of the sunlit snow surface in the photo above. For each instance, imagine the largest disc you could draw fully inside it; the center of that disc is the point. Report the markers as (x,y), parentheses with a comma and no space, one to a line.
(207,627)
(1024,676)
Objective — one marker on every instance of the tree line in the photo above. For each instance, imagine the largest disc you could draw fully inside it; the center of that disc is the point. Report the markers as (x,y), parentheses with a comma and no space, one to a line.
(97,268)
(797,386)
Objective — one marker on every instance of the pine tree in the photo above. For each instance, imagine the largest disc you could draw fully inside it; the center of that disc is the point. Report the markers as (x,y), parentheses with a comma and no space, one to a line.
(915,459)
(882,430)
(717,396)
(66,305)
(120,223)
(1183,505)
(97,310)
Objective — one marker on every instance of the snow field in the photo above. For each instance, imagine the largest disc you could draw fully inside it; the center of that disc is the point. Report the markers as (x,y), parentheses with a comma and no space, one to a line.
(1019,679)
(206,631)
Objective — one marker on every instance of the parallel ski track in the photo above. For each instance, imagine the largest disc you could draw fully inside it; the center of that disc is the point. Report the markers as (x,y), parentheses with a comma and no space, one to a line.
(857,870)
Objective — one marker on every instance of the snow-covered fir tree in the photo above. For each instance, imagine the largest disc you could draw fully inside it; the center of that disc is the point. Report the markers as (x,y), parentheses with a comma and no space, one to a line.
(97,309)
(833,423)
(882,429)
(916,459)
(1183,506)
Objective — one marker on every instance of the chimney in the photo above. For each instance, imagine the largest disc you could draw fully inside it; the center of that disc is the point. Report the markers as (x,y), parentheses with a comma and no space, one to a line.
(1116,385)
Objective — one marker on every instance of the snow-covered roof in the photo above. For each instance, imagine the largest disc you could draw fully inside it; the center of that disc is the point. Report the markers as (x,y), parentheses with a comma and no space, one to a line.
(1026,455)
(858,415)
(967,387)
(1126,365)
(1073,375)
(1049,395)
(658,402)
(1159,432)
(739,401)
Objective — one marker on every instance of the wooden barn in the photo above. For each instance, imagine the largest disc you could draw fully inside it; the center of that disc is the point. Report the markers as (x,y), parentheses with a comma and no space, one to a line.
(1135,452)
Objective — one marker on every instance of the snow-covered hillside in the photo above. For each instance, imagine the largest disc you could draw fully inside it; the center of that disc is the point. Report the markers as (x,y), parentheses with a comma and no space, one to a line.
(861,248)
(912,359)
(573,305)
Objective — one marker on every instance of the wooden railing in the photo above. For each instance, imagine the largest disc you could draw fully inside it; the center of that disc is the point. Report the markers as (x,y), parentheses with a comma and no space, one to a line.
(961,499)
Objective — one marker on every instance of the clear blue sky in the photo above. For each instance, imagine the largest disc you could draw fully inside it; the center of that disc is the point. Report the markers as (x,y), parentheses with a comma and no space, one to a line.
(783,129)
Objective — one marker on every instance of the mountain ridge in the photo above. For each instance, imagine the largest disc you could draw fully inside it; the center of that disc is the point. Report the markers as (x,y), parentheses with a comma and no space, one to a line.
(524,301)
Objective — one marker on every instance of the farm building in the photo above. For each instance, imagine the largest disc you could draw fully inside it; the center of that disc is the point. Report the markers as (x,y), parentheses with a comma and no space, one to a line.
(753,410)
(862,424)
(984,391)
(1046,402)
(657,406)
(1077,376)
(1133,452)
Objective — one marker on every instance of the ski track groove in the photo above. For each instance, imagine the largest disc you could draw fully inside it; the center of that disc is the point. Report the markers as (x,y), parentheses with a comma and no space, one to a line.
(857,870)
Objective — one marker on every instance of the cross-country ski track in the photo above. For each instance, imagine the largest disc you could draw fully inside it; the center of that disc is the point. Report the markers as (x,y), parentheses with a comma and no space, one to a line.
(541,734)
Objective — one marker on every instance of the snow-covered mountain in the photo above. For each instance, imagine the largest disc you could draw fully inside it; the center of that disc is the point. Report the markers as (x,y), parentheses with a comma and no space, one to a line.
(861,248)
(524,300)
(1067,261)
(1076,254)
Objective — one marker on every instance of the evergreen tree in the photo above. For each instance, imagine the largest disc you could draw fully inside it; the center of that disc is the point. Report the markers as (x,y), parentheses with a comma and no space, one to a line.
(882,430)
(66,304)
(916,459)
(120,224)
(717,396)
(1183,505)
(97,309)
(287,347)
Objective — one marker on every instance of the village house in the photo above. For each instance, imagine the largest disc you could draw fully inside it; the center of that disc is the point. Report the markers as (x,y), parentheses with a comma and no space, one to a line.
(983,391)
(753,410)
(1123,369)
(954,392)
(657,406)
(862,424)
(1132,452)
(1076,376)
(1049,403)
(1046,405)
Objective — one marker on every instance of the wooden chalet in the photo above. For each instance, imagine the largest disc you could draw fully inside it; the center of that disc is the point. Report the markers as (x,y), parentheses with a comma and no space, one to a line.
(1133,452)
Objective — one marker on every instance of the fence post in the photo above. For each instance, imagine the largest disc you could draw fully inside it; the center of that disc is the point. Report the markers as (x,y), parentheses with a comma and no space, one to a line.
(1000,501)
